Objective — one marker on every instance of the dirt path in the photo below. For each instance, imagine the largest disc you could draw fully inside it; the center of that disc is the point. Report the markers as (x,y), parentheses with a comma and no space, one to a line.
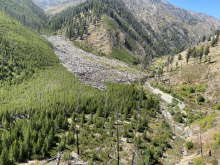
(91,69)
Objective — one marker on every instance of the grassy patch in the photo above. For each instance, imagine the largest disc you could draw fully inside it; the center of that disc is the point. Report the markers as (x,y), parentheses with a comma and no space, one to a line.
(207,122)
(109,22)
(86,46)
(123,56)
(217,106)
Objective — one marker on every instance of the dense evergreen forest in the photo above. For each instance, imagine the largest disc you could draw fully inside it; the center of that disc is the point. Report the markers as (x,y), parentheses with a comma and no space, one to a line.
(20,53)
(45,109)
(27,12)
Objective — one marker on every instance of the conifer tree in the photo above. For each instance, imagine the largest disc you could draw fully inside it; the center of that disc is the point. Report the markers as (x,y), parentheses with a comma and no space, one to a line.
(21,151)
(194,53)
(43,151)
(188,54)
(15,151)
(4,159)
(200,52)
(168,63)
(171,61)
(206,52)
(204,38)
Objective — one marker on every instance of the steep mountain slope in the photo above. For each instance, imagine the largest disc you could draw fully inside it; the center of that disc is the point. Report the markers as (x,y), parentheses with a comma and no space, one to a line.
(109,28)
(22,51)
(27,12)
(140,29)
(177,26)
(48,3)
(54,9)
(206,73)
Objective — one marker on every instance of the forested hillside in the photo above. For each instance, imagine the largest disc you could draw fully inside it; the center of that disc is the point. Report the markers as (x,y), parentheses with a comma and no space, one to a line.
(55,9)
(45,109)
(49,115)
(48,3)
(27,12)
(22,50)
(138,28)
(116,24)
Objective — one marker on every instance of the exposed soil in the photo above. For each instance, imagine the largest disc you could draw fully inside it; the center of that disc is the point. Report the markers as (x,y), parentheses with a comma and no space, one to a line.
(59,8)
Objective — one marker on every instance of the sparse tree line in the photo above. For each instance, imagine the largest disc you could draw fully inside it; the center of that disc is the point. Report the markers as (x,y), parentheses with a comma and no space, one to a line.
(197,52)
(202,50)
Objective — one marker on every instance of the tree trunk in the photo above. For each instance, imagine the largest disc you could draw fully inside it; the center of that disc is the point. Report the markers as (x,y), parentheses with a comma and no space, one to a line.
(77,141)
(117,137)
(201,142)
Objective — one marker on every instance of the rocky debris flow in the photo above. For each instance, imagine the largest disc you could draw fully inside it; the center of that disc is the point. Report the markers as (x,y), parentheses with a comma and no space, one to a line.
(91,69)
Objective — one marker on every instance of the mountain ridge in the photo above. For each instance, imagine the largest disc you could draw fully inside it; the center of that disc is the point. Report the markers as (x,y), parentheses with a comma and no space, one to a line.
(169,29)
(163,12)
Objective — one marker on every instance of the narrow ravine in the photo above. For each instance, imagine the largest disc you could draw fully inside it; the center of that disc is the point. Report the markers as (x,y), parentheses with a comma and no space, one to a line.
(167,99)
(172,155)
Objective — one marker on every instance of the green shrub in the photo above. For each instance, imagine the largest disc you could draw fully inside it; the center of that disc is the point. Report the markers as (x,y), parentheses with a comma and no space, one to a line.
(178,119)
(198,161)
(189,145)
(216,137)
(172,112)
(67,156)
(200,98)
(215,162)
(178,97)
(207,122)
(201,88)
(217,106)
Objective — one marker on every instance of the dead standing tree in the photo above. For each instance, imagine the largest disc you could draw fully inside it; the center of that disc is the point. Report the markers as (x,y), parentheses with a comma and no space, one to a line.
(136,118)
(118,147)
(106,106)
(77,114)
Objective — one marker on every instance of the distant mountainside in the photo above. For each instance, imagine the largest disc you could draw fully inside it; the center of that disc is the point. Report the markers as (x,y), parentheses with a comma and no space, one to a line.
(47,3)
(176,25)
(138,27)
(108,28)
(54,9)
